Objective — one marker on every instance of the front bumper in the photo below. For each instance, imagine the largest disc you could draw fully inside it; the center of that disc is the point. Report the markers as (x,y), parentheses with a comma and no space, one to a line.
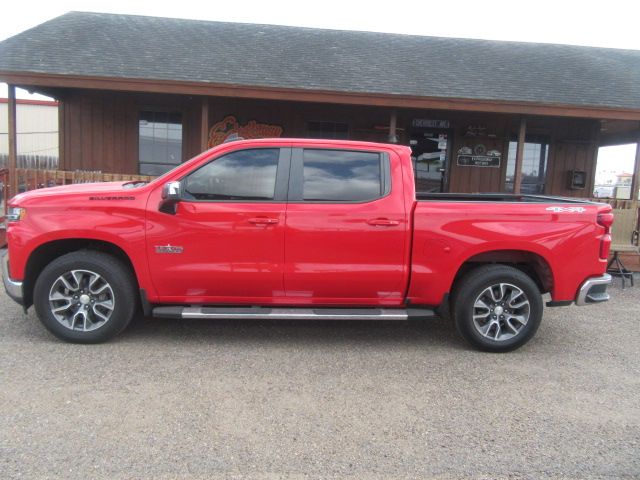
(594,290)
(13,288)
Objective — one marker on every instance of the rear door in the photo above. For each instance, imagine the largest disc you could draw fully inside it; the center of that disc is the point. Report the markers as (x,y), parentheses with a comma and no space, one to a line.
(347,230)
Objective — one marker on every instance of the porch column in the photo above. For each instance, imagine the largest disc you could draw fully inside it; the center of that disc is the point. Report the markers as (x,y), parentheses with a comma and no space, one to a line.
(517,181)
(636,174)
(393,121)
(204,124)
(13,142)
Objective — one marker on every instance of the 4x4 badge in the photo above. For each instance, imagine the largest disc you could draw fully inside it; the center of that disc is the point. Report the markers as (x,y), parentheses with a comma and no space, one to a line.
(168,249)
(566,209)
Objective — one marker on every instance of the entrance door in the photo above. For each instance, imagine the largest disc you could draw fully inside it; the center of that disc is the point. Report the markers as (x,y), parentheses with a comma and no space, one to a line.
(429,154)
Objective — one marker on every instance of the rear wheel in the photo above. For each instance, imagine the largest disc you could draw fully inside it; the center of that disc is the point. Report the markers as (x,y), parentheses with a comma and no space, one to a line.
(85,297)
(497,308)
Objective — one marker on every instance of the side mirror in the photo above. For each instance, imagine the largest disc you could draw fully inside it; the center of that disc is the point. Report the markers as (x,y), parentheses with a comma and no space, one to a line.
(171,195)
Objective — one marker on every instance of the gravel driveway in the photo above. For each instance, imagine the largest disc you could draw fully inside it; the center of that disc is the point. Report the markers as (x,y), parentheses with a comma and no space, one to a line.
(355,400)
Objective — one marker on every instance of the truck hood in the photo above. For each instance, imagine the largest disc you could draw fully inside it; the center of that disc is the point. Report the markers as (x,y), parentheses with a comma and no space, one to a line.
(101,189)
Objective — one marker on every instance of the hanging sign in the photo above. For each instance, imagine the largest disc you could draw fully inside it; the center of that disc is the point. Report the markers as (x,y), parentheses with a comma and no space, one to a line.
(478,161)
(429,123)
(478,156)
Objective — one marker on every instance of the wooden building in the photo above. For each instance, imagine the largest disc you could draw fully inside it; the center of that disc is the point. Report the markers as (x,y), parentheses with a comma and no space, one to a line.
(139,95)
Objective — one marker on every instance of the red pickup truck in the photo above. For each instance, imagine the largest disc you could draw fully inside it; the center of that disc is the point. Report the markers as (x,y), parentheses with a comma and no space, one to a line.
(308,229)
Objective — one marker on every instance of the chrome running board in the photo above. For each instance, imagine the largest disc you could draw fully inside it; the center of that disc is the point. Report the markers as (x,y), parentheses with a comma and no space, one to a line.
(293,313)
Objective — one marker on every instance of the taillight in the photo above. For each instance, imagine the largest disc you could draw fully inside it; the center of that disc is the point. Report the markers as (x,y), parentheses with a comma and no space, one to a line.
(605,246)
(605,219)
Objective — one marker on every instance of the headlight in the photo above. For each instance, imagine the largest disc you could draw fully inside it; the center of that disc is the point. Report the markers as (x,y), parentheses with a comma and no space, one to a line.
(16,214)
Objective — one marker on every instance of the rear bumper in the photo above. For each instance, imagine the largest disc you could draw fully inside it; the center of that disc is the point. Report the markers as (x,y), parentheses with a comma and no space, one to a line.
(594,290)
(12,287)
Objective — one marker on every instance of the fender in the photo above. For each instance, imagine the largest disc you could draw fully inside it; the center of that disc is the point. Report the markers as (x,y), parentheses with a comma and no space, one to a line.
(114,226)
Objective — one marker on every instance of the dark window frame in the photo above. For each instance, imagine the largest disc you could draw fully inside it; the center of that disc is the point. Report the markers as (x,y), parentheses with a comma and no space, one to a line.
(309,131)
(282,177)
(168,111)
(531,139)
(296,177)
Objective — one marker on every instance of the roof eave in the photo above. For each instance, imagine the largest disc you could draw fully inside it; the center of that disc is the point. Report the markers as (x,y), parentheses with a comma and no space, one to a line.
(37,79)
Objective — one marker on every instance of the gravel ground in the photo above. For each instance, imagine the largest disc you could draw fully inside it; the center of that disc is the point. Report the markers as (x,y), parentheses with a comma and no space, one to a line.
(356,400)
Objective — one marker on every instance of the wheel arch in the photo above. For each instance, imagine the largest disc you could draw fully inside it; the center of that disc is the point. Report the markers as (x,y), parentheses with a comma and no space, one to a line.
(531,263)
(41,256)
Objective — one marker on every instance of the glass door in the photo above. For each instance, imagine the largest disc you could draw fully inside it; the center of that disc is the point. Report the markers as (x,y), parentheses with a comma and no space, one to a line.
(429,155)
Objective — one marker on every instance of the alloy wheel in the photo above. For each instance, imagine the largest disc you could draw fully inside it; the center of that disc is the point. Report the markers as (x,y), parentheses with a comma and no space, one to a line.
(501,311)
(81,300)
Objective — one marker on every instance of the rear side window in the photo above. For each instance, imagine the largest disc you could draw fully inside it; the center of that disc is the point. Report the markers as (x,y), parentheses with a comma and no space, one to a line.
(242,175)
(342,176)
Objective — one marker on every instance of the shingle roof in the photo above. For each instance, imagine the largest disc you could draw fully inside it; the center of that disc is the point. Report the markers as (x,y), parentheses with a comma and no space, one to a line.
(125,46)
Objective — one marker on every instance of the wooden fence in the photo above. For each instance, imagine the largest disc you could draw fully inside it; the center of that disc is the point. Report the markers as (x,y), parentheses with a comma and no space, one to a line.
(25,179)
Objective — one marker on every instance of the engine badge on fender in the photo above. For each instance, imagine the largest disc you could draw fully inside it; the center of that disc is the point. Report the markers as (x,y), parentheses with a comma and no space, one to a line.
(168,249)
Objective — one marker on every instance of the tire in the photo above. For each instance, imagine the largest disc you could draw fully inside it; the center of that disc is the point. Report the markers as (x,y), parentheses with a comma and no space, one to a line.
(497,308)
(85,297)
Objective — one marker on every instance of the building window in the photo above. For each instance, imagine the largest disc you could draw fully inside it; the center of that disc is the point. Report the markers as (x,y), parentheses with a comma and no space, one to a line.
(160,141)
(534,165)
(332,130)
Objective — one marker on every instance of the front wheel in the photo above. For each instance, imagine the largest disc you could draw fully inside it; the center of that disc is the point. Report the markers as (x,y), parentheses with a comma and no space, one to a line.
(85,297)
(497,308)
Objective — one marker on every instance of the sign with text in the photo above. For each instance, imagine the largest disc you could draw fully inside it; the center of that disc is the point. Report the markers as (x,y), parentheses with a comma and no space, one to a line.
(479,161)
(229,128)
(429,123)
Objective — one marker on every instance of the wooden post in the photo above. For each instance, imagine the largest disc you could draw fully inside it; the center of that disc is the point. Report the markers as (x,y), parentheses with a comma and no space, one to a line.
(13,142)
(635,184)
(61,134)
(204,124)
(393,121)
(517,181)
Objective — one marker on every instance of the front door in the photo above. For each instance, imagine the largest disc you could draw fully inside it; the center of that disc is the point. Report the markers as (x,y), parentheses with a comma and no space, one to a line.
(225,242)
(347,228)
(429,152)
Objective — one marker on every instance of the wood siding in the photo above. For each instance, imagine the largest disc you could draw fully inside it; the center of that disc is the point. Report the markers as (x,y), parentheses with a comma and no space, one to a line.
(100,129)
(100,132)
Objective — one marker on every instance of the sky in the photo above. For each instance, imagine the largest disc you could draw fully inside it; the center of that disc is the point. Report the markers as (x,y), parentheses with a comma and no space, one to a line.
(612,24)
(584,22)
(613,161)
(574,22)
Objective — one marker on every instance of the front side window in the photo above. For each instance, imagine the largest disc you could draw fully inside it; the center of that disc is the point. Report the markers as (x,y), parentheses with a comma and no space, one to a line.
(336,175)
(243,176)
(160,141)
(534,165)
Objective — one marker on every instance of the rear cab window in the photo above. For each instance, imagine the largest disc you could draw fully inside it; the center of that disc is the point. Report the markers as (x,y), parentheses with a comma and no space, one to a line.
(336,176)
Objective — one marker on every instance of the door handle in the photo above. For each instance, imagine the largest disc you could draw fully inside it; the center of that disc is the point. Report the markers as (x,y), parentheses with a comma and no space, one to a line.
(383,222)
(263,221)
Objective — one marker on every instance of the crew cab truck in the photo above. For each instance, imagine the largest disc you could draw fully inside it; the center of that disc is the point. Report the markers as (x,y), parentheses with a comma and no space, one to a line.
(298,228)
